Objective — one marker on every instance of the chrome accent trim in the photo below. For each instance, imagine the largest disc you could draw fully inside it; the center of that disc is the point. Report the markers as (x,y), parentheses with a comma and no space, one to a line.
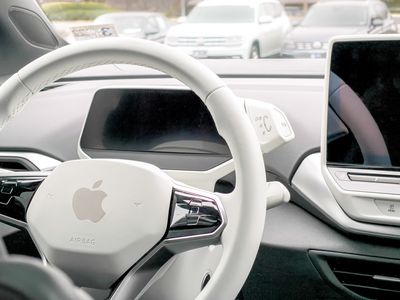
(386,278)
(309,182)
(361,182)
(13,222)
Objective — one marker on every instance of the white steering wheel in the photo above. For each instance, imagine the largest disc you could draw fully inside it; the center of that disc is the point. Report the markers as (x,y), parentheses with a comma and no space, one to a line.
(99,220)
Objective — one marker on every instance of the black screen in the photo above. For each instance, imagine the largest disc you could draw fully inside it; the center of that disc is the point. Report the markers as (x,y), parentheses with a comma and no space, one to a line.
(364,105)
(162,121)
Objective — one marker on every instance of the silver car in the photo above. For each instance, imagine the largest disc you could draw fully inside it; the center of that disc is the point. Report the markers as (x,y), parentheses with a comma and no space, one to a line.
(232,29)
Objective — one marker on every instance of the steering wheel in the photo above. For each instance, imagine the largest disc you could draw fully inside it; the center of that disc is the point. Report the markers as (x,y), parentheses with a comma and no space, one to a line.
(104,221)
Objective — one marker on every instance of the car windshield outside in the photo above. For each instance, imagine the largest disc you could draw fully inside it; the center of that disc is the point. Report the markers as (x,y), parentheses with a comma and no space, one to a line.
(330,15)
(222,14)
(226,29)
(121,22)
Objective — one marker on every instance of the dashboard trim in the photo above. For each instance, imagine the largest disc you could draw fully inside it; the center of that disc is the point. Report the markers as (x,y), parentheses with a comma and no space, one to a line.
(309,182)
(41,161)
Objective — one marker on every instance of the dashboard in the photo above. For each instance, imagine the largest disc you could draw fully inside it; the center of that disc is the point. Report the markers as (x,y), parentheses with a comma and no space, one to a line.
(88,106)
(66,105)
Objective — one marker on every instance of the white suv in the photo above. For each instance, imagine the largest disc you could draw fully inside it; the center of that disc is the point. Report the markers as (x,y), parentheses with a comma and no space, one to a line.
(232,29)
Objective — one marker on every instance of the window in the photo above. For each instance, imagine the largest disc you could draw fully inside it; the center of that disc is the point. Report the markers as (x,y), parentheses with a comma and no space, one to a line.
(224,29)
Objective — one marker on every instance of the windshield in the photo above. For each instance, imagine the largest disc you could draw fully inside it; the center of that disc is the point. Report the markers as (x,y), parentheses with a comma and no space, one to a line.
(226,29)
(221,14)
(336,16)
(122,23)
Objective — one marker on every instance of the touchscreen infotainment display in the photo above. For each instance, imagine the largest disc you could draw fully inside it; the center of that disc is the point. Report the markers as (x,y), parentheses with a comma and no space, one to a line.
(151,120)
(364,105)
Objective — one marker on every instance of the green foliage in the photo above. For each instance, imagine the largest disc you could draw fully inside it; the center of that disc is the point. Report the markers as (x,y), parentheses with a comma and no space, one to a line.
(69,11)
(393,3)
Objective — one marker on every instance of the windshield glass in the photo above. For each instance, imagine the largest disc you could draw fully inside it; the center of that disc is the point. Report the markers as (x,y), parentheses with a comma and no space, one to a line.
(221,14)
(336,16)
(226,29)
(122,23)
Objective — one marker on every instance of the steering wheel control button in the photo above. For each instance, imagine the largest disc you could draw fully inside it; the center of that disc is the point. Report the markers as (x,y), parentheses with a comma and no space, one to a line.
(192,219)
(270,124)
(16,194)
(283,124)
(4,200)
(388,207)
(7,188)
(194,212)
(195,206)
(196,203)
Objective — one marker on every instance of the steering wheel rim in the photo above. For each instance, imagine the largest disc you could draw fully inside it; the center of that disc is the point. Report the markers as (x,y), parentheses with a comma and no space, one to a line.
(245,206)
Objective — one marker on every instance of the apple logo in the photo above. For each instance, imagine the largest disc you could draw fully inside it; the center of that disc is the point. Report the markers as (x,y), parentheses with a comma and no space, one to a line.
(87,203)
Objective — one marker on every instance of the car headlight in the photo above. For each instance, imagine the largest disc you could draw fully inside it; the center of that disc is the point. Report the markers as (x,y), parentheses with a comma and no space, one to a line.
(289,45)
(235,40)
(171,40)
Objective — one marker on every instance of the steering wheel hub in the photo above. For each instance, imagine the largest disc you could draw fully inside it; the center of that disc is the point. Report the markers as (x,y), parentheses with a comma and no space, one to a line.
(100,217)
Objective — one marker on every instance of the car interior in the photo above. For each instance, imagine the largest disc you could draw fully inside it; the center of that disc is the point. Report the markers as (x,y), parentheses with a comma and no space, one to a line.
(131,170)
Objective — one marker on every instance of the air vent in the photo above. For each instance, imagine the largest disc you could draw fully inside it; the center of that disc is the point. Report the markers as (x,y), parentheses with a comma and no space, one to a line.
(368,277)
(17,164)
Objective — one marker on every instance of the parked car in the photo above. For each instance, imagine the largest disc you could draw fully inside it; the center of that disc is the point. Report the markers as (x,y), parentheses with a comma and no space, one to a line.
(146,25)
(334,17)
(232,29)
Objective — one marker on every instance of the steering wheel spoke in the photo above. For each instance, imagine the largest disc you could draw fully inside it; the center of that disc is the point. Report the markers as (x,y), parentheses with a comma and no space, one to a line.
(197,219)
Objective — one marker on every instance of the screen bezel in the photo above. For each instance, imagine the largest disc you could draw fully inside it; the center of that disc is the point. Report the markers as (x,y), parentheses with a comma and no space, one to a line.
(324,128)
(215,160)
(358,201)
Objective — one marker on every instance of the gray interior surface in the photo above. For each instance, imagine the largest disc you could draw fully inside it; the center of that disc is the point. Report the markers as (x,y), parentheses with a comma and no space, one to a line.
(283,269)
(63,108)
(24,36)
